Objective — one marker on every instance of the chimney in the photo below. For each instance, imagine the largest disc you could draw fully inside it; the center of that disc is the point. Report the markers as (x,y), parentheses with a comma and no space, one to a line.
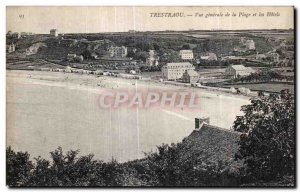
(199,122)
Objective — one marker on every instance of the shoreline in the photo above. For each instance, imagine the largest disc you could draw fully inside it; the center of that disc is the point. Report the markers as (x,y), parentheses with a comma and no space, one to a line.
(88,81)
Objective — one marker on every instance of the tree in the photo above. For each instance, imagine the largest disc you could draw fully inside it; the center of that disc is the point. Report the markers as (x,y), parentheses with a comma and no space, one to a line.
(18,167)
(131,54)
(164,164)
(267,143)
(186,46)
(141,55)
(87,54)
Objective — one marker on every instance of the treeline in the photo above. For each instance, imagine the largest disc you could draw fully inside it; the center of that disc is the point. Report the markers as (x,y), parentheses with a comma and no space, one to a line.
(166,46)
(163,168)
(265,76)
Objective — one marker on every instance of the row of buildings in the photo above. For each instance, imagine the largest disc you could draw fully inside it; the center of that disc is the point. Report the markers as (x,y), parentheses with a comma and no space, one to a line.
(17,35)
(185,72)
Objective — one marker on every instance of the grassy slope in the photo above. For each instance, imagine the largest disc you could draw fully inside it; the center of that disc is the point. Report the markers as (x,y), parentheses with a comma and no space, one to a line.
(217,43)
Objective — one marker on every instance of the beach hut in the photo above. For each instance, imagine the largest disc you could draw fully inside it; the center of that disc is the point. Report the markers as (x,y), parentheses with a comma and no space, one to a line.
(232,90)
(45,69)
(98,72)
(247,91)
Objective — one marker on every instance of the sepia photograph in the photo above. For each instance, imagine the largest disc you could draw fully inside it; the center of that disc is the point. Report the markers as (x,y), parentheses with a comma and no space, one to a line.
(150,96)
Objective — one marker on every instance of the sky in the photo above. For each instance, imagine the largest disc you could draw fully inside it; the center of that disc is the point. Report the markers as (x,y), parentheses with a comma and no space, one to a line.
(121,19)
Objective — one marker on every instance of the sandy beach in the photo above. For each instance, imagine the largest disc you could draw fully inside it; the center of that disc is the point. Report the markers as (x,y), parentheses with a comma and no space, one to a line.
(50,109)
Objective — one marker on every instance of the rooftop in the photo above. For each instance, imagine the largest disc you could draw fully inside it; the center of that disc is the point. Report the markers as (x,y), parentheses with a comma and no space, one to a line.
(186,51)
(213,144)
(176,64)
(239,67)
(242,68)
(192,73)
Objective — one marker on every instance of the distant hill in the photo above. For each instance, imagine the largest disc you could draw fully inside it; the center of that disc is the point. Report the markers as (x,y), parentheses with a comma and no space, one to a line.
(59,47)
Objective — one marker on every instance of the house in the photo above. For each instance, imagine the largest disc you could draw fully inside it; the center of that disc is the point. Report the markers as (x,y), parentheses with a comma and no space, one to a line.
(245,45)
(45,69)
(9,33)
(26,34)
(271,56)
(71,57)
(94,55)
(174,71)
(74,58)
(186,54)
(250,44)
(260,56)
(209,57)
(118,52)
(98,72)
(274,56)
(235,71)
(34,48)
(16,35)
(233,58)
(54,32)
(133,72)
(79,58)
(10,48)
(212,143)
(152,60)
(69,69)
(190,76)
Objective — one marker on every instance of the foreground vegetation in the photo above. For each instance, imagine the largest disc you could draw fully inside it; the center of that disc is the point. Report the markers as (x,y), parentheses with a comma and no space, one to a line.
(267,145)
(163,168)
(266,148)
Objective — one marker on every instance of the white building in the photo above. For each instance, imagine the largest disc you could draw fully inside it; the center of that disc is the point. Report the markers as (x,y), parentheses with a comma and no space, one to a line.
(71,56)
(186,54)
(10,48)
(235,71)
(209,57)
(152,60)
(74,58)
(260,56)
(274,56)
(190,76)
(250,44)
(174,71)
(233,58)
(16,35)
(54,32)
(118,52)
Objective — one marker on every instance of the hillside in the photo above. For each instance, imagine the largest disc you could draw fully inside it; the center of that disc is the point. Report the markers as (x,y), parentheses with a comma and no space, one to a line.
(58,47)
